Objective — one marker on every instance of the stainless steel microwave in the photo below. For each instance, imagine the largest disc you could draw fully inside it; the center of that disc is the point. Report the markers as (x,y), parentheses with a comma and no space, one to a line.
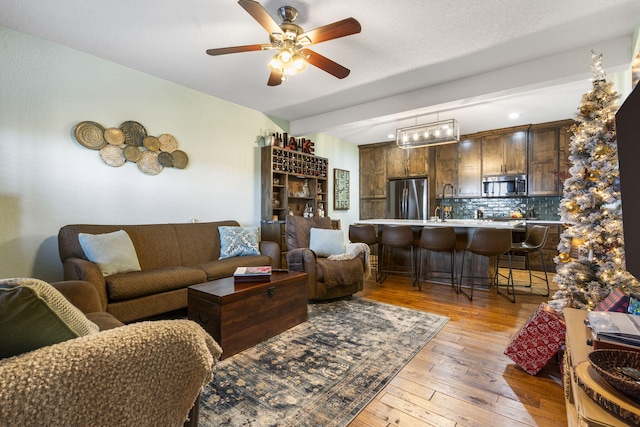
(504,186)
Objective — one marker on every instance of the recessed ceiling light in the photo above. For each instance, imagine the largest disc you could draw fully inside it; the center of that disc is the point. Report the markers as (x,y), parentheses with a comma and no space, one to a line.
(513,116)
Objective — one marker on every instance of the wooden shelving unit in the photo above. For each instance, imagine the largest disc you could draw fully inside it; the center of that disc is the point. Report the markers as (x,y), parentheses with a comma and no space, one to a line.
(290,182)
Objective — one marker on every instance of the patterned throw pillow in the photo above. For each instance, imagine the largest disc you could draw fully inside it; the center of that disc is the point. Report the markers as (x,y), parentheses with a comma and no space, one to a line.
(35,314)
(238,241)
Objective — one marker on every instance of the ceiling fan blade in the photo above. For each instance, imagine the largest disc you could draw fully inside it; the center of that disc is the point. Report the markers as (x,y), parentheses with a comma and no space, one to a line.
(325,64)
(258,13)
(346,27)
(275,78)
(236,49)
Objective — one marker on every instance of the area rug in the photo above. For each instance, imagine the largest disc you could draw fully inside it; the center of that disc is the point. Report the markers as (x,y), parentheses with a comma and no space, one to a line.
(320,373)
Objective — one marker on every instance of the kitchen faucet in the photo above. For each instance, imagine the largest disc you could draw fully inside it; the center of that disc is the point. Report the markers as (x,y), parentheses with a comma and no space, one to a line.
(444,190)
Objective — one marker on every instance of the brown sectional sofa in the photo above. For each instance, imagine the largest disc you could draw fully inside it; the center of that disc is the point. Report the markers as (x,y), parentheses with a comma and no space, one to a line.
(171,257)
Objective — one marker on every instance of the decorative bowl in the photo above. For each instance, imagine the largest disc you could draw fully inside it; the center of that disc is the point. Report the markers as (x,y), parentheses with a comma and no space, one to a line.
(607,363)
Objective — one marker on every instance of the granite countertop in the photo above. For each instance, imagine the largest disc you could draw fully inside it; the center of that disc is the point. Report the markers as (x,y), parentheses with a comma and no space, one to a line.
(545,221)
(462,223)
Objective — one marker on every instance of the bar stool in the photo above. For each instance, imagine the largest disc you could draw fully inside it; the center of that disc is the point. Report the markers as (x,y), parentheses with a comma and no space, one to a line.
(366,233)
(488,242)
(394,238)
(437,239)
(534,241)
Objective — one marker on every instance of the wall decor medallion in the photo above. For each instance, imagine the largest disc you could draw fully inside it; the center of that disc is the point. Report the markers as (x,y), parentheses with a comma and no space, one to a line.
(90,135)
(340,189)
(130,143)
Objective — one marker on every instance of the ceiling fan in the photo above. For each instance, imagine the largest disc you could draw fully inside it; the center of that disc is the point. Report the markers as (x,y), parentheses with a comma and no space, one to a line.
(292,41)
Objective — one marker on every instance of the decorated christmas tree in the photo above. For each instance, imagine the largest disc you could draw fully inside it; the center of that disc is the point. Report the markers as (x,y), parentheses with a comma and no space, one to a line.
(590,261)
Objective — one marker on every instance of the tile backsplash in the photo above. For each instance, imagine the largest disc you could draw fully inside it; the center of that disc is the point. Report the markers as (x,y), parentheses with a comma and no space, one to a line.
(545,208)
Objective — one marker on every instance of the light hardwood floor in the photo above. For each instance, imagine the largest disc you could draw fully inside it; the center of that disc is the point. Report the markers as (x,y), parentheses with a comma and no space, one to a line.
(461,377)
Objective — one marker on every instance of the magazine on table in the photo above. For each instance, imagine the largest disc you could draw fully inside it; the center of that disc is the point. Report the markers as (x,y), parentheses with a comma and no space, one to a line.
(615,327)
(252,274)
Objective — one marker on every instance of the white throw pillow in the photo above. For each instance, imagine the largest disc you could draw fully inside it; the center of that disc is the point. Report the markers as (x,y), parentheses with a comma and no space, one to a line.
(325,242)
(113,252)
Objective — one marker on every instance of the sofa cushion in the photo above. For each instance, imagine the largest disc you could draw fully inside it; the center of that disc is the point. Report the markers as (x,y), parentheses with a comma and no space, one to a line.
(126,286)
(239,241)
(225,267)
(35,314)
(112,252)
(326,242)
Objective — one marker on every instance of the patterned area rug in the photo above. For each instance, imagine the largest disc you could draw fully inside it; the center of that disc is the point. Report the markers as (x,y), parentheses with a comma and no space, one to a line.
(320,373)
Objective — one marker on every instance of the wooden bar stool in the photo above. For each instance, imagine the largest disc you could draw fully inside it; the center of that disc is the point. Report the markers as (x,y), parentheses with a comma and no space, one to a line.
(534,241)
(437,239)
(488,242)
(393,239)
(366,233)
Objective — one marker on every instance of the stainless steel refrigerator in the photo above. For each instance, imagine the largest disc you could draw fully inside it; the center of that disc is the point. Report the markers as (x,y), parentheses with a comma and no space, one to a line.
(408,198)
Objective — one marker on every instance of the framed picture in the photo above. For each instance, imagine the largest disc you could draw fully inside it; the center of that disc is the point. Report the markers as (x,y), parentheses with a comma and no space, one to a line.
(340,189)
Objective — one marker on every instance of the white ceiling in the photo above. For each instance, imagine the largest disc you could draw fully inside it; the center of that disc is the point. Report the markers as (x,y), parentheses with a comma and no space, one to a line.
(413,62)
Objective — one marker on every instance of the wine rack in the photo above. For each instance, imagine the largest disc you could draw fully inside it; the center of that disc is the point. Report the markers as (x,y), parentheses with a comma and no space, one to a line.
(292,182)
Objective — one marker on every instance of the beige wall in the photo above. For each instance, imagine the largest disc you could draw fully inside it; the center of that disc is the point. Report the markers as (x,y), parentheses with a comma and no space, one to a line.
(48,180)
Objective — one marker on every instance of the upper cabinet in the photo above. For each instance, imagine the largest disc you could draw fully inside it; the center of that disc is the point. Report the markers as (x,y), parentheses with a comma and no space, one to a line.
(469,167)
(548,158)
(505,153)
(373,171)
(446,167)
(404,163)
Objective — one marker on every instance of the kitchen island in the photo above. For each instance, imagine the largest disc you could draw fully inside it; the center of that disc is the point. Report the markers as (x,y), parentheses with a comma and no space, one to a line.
(464,229)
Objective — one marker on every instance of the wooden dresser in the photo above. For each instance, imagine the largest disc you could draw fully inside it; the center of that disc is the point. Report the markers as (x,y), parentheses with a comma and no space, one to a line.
(581,409)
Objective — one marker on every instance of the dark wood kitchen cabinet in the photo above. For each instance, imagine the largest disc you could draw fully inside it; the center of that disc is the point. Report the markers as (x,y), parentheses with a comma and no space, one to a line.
(373,208)
(470,167)
(406,163)
(373,172)
(564,135)
(548,158)
(505,152)
(373,181)
(446,167)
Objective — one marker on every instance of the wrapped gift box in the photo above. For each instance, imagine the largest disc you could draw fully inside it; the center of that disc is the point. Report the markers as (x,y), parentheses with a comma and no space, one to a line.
(538,340)
(616,301)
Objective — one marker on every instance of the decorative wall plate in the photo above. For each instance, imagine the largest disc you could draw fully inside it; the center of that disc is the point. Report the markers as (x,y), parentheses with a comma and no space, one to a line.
(90,135)
(165,159)
(134,133)
(180,159)
(131,153)
(151,143)
(148,163)
(112,155)
(168,143)
(114,136)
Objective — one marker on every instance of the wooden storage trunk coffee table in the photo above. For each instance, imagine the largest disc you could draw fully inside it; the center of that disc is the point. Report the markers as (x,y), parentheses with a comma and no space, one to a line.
(239,315)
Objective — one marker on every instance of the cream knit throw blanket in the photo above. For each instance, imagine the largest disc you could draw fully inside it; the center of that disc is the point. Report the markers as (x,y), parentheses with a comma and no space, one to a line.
(143,374)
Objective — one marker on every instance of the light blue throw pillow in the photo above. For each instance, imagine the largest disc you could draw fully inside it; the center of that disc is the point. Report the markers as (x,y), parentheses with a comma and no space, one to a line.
(238,241)
(325,242)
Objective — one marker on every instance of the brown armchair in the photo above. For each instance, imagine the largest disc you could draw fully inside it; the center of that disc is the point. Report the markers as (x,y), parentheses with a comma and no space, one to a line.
(327,279)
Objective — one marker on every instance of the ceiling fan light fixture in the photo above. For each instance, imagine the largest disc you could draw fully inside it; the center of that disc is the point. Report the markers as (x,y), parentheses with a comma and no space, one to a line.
(299,62)
(290,40)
